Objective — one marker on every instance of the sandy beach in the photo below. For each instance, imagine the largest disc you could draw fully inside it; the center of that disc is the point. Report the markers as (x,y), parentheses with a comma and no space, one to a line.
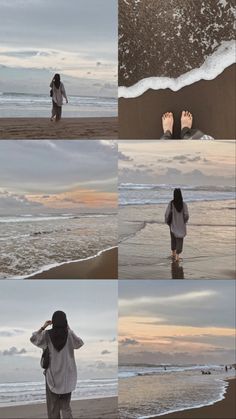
(140,118)
(67,128)
(104,266)
(82,409)
(225,409)
(144,250)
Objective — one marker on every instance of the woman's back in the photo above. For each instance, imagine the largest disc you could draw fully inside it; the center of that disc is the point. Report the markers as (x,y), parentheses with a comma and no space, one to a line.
(62,373)
(178,219)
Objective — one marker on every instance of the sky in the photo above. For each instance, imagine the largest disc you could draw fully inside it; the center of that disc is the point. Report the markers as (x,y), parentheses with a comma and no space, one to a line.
(77,39)
(177,322)
(91,308)
(55,176)
(172,162)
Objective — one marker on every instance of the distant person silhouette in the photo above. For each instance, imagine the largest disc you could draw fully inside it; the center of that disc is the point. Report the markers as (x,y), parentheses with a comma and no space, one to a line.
(57,94)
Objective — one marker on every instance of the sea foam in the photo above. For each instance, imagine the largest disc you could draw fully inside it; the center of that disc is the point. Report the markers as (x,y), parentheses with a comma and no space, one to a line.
(223,57)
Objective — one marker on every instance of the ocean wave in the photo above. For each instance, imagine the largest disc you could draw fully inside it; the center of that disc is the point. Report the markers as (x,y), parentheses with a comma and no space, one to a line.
(34,392)
(57,264)
(151,370)
(132,201)
(31,218)
(165,186)
(213,66)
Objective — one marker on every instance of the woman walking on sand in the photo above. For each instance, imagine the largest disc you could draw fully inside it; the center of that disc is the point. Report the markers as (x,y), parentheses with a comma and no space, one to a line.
(176,216)
(57,93)
(58,344)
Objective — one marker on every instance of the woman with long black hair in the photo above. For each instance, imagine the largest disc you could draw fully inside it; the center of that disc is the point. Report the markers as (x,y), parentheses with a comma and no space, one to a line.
(60,372)
(57,93)
(176,216)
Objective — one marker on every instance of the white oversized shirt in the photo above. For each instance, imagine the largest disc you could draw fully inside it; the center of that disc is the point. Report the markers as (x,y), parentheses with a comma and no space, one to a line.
(61,375)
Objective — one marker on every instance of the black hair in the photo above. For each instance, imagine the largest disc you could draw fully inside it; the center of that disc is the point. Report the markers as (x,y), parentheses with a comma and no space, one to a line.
(57,80)
(178,199)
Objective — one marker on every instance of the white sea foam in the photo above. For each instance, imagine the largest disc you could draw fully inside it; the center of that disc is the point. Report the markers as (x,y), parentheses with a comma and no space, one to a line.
(16,394)
(58,264)
(213,66)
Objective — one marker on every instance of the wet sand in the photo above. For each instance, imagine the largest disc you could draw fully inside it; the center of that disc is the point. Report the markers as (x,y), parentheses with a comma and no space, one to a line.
(67,128)
(211,102)
(82,409)
(209,247)
(104,266)
(159,38)
(225,409)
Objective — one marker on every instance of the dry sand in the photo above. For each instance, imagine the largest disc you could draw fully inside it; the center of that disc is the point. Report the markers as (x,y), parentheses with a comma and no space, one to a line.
(211,102)
(225,409)
(104,266)
(82,409)
(67,128)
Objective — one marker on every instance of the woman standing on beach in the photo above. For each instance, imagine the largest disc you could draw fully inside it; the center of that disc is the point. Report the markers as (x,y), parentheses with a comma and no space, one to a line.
(57,93)
(176,216)
(58,344)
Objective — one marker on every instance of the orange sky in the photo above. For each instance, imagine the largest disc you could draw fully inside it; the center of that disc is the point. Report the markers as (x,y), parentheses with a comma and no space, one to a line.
(166,337)
(76,198)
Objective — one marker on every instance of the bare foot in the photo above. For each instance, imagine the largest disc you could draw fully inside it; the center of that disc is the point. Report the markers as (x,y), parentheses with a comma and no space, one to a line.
(186,120)
(167,122)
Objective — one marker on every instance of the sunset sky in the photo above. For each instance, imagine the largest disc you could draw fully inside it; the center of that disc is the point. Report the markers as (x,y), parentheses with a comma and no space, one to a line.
(48,176)
(177,321)
(183,162)
(91,308)
(77,39)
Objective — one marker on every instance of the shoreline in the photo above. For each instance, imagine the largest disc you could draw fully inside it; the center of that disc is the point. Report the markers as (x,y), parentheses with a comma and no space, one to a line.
(67,128)
(105,407)
(104,265)
(221,409)
(140,117)
(190,77)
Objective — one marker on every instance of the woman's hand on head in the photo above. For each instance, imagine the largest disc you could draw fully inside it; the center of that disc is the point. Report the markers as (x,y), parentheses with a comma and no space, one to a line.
(47,323)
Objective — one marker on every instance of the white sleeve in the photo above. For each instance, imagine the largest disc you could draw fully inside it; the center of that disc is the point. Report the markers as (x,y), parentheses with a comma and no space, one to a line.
(39,339)
(76,341)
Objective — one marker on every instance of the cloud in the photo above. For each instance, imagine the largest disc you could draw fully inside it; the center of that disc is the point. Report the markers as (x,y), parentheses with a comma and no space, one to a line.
(13,351)
(129,342)
(185,158)
(177,298)
(13,202)
(105,352)
(11,332)
(185,357)
(124,157)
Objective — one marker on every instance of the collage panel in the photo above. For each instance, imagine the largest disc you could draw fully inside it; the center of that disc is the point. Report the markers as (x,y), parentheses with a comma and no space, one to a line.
(58,69)
(58,209)
(177,72)
(176,209)
(117,251)
(177,349)
(84,369)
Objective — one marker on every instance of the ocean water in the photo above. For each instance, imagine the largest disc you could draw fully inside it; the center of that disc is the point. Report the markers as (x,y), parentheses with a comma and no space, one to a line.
(180,41)
(151,194)
(32,243)
(34,392)
(147,391)
(39,105)
(212,67)
(144,238)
